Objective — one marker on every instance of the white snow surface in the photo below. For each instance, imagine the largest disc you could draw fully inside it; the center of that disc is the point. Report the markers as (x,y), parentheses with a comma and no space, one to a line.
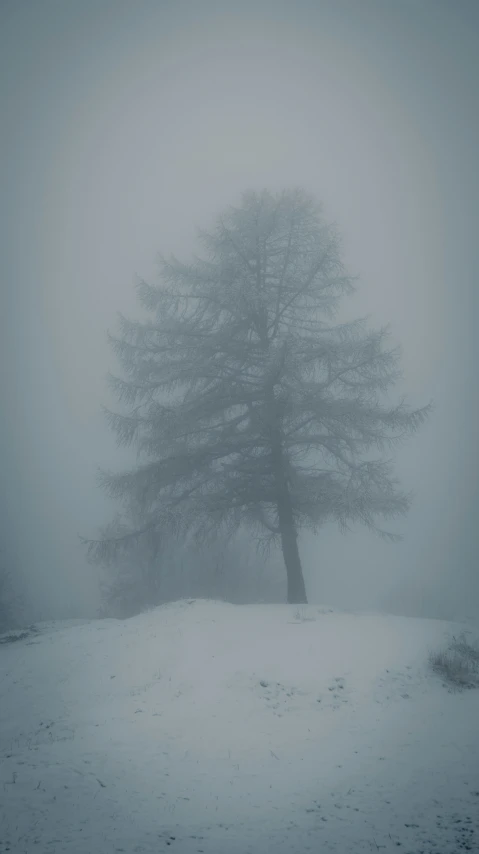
(207,727)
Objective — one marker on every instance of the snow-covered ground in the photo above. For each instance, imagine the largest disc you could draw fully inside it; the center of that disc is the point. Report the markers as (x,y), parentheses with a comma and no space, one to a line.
(207,727)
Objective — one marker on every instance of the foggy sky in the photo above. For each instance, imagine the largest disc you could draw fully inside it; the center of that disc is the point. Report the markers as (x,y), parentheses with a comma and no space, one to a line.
(129,124)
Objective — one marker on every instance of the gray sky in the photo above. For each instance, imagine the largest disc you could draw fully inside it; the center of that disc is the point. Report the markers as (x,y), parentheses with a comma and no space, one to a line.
(129,124)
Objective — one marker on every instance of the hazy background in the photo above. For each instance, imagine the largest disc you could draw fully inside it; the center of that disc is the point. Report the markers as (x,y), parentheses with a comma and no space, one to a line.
(125,125)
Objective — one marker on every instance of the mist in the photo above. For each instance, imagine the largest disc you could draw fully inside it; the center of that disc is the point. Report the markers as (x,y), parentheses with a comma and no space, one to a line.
(126,126)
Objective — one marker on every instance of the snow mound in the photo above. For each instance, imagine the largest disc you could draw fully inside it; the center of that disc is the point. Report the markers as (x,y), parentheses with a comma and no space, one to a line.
(206,727)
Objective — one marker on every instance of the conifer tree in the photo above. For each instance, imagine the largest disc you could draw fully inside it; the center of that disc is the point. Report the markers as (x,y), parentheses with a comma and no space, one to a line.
(247,401)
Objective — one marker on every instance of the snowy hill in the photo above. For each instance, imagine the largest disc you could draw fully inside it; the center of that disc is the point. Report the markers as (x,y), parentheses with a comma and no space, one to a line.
(207,727)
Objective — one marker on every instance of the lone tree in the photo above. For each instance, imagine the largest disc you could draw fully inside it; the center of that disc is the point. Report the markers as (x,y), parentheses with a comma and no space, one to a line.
(246,402)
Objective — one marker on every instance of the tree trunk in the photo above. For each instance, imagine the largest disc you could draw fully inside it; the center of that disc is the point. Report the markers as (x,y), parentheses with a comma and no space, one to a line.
(289,545)
(287,527)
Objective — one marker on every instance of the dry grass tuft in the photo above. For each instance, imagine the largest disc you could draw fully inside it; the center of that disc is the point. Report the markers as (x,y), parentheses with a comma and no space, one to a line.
(458,664)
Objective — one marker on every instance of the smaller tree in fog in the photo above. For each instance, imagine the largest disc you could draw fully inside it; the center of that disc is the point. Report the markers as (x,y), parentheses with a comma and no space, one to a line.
(10,605)
(142,575)
(132,573)
(247,403)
